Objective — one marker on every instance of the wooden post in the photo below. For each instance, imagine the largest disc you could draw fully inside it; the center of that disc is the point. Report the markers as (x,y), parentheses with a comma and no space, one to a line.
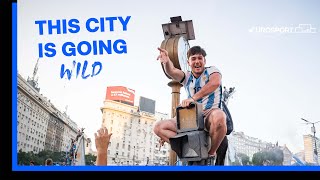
(176,86)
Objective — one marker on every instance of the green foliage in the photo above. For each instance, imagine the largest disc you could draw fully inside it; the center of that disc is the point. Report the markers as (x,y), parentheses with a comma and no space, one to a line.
(258,158)
(278,156)
(268,157)
(24,158)
(245,160)
(90,159)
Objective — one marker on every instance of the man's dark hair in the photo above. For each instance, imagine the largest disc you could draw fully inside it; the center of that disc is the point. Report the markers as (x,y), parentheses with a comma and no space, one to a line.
(196,50)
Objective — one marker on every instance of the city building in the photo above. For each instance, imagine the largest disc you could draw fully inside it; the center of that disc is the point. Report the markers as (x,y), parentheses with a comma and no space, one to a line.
(309,147)
(161,116)
(133,141)
(40,125)
(287,155)
(245,144)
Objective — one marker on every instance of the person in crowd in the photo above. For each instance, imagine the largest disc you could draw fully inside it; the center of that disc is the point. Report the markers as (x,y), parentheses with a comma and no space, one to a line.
(102,139)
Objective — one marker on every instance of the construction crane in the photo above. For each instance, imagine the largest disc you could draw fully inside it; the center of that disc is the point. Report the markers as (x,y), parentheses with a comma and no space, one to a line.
(33,81)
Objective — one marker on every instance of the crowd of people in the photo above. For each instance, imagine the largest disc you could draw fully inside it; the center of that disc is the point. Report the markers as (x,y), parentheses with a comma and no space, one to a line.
(73,146)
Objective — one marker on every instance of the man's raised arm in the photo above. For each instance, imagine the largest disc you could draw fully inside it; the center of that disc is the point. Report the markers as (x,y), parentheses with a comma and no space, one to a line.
(169,68)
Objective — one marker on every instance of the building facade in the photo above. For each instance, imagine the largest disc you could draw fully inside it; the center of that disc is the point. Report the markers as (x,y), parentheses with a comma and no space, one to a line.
(133,141)
(309,147)
(287,155)
(40,125)
(245,144)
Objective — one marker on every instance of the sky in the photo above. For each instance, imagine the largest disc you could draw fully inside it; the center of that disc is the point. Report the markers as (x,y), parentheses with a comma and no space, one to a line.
(258,46)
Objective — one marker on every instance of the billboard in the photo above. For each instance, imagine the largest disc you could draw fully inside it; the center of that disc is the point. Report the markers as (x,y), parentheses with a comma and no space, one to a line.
(147,105)
(121,94)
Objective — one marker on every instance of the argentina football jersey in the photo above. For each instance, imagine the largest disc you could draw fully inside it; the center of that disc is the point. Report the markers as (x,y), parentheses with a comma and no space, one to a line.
(193,85)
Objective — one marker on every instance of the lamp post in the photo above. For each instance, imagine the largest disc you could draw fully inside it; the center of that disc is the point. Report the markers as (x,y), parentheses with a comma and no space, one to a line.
(176,34)
(313,129)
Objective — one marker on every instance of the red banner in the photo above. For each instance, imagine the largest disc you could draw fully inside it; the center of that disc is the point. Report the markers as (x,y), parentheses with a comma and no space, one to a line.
(121,93)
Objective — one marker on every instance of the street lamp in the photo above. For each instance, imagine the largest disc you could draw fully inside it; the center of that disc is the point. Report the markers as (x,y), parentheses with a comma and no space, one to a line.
(176,36)
(313,129)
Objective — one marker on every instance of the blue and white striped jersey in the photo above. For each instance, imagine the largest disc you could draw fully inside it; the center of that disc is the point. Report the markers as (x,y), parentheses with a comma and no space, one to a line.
(193,85)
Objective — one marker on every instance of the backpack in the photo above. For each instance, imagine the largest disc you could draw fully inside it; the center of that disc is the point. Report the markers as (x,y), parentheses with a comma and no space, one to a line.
(229,118)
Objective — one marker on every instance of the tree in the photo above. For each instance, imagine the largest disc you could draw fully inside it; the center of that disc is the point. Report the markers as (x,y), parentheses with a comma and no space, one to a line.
(43,155)
(244,159)
(90,159)
(24,158)
(57,156)
(258,158)
(268,157)
(278,156)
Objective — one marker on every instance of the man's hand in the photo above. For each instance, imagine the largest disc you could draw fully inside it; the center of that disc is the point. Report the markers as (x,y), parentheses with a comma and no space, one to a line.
(164,58)
(186,102)
(102,139)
